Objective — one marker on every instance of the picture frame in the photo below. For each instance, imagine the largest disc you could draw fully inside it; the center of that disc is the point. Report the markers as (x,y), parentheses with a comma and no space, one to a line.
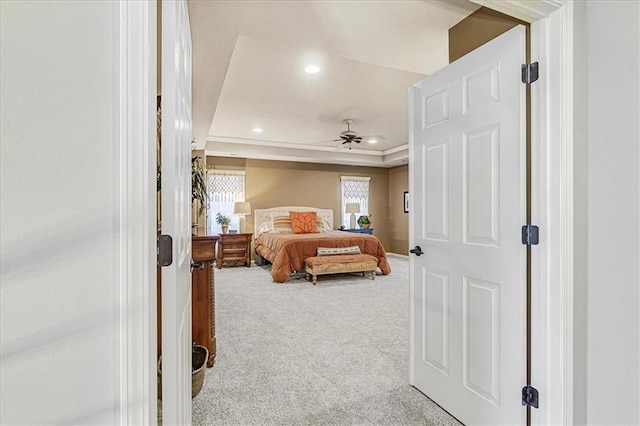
(406,201)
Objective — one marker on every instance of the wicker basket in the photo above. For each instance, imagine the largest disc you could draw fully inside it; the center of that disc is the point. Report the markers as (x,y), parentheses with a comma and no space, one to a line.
(199,356)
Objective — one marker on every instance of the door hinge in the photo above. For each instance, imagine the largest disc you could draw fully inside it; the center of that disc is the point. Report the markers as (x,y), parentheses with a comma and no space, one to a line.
(530,235)
(529,73)
(530,396)
(164,250)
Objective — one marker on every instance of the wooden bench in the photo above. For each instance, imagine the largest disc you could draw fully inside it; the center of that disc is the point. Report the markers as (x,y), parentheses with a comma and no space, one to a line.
(339,264)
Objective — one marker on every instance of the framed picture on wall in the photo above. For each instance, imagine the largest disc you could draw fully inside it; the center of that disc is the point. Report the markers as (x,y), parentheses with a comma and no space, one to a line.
(406,201)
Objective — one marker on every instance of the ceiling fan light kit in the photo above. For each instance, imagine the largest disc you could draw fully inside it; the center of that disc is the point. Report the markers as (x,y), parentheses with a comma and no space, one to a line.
(349,136)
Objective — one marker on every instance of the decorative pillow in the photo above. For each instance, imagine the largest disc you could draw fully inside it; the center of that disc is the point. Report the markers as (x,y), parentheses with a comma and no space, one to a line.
(281,224)
(330,251)
(303,222)
(322,225)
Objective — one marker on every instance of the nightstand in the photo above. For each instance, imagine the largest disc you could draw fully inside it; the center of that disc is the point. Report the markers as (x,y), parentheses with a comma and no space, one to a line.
(360,230)
(234,248)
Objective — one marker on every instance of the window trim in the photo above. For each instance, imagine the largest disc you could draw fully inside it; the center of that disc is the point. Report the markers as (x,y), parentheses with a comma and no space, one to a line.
(343,205)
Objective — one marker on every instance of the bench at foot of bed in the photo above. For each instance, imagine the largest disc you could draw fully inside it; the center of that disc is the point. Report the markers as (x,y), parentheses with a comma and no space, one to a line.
(340,264)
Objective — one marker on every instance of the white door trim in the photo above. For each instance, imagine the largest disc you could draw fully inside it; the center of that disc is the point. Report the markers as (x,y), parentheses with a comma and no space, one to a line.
(553,130)
(556,168)
(136,130)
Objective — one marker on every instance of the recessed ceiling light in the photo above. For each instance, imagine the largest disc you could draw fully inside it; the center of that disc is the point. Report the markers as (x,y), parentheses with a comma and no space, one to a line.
(373,141)
(312,69)
(257,130)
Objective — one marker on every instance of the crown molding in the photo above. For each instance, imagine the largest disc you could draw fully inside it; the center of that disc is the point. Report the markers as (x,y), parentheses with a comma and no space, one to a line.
(281,151)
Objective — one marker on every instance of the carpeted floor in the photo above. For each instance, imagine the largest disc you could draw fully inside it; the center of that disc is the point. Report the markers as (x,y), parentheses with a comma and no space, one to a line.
(297,354)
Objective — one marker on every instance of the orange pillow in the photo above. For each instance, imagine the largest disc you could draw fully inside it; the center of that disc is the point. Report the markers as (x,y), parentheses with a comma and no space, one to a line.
(303,222)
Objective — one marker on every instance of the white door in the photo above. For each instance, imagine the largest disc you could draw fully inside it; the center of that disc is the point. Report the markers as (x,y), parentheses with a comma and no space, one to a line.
(467,187)
(176,212)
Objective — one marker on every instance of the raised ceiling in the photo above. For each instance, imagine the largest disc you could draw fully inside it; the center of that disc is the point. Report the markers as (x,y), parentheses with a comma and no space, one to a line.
(248,71)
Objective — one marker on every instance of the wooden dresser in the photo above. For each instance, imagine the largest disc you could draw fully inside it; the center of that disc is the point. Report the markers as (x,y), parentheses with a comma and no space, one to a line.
(234,248)
(203,318)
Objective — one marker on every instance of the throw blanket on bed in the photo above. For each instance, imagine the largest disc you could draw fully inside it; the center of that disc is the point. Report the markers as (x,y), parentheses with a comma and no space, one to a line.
(287,252)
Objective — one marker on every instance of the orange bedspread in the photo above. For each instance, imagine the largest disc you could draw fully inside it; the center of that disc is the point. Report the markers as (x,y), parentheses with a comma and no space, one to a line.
(287,252)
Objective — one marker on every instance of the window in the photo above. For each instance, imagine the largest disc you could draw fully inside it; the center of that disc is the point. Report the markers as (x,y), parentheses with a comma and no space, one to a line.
(224,187)
(354,190)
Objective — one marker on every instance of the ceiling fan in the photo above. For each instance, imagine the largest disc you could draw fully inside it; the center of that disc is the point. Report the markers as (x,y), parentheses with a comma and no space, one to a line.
(348,136)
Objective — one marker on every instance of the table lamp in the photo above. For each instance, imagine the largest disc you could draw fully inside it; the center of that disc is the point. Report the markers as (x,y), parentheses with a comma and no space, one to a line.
(353,208)
(242,208)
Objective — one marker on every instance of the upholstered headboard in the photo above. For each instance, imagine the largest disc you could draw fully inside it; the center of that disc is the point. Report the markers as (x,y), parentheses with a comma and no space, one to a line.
(264,215)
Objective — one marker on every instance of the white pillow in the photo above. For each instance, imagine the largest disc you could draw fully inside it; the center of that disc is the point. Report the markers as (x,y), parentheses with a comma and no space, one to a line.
(265,227)
(323,225)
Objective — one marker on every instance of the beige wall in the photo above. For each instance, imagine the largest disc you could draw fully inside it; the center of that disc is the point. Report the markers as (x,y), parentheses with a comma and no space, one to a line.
(476,29)
(281,183)
(227,163)
(398,219)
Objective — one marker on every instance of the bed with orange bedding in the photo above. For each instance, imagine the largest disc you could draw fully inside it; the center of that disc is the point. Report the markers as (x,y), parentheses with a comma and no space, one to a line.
(287,251)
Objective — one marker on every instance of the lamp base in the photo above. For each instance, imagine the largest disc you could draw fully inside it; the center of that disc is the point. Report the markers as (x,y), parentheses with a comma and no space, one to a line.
(352,221)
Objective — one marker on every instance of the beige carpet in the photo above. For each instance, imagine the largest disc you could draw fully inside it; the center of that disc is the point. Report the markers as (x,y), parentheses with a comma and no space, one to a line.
(297,354)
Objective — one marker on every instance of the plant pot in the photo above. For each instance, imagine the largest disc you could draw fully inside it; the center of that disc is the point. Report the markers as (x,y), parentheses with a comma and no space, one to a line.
(199,355)
(364,222)
(225,229)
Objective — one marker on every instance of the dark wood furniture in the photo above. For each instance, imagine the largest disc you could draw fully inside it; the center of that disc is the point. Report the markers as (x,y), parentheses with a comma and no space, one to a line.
(203,312)
(360,230)
(234,248)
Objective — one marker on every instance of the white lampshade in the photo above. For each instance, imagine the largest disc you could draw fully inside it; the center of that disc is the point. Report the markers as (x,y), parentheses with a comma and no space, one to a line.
(353,207)
(242,208)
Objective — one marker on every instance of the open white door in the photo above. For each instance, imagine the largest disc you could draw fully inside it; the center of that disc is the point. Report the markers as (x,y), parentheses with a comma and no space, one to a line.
(468,195)
(176,212)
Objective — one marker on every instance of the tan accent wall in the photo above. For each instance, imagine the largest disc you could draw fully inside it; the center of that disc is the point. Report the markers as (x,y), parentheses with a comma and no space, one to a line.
(398,219)
(476,29)
(282,183)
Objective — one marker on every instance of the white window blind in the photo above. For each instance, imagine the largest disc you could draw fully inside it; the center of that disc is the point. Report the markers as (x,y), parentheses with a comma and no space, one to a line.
(355,189)
(224,187)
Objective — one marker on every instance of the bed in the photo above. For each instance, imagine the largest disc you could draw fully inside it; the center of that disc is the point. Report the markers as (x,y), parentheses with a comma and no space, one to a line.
(287,251)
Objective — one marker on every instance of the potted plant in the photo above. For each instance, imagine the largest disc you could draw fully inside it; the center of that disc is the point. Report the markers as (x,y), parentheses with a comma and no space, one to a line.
(364,222)
(223,221)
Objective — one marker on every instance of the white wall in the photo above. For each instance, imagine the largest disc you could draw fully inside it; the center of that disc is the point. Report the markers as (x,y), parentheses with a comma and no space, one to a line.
(613,93)
(60,207)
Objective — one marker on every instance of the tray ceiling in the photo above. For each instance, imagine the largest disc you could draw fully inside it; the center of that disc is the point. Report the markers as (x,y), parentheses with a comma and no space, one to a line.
(248,71)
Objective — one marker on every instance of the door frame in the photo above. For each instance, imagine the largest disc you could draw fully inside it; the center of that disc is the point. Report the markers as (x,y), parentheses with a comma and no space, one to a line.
(558,179)
(136,42)
(558,174)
